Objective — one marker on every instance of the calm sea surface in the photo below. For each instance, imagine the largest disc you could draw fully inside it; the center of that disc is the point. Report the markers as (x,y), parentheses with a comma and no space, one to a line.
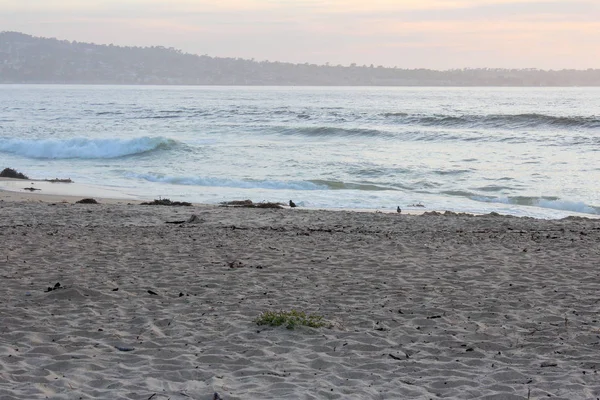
(519,151)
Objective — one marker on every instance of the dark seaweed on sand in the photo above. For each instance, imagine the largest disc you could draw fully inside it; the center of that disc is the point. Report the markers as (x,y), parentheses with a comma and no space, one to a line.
(267,205)
(250,204)
(166,202)
(87,201)
(237,203)
(11,173)
(58,180)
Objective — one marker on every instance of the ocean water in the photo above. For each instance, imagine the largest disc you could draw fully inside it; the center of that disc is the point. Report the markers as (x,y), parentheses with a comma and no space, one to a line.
(519,151)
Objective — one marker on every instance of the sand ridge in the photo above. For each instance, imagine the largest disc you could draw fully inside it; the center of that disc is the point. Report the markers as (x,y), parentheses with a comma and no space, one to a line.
(422,306)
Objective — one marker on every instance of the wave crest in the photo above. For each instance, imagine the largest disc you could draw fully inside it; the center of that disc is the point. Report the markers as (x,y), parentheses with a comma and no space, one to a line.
(226,182)
(330,131)
(258,184)
(511,121)
(337,185)
(553,203)
(83,147)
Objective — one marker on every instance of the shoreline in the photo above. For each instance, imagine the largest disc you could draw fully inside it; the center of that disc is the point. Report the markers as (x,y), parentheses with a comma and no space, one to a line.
(11,189)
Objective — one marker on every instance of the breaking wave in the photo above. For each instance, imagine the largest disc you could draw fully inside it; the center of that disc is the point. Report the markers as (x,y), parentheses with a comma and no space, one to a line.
(259,184)
(423,133)
(84,148)
(511,121)
(553,203)
(336,185)
(329,131)
(226,182)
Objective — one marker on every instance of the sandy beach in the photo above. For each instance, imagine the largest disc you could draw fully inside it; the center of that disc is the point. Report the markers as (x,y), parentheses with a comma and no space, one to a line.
(417,307)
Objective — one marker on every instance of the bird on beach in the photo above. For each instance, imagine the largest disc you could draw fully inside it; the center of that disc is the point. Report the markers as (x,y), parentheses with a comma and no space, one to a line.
(292,204)
(398,210)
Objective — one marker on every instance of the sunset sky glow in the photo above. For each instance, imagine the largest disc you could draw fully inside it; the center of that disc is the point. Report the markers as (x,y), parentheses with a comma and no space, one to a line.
(439,34)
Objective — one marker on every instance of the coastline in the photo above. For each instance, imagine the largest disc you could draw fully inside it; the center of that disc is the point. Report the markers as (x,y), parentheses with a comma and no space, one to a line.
(14,190)
(453,306)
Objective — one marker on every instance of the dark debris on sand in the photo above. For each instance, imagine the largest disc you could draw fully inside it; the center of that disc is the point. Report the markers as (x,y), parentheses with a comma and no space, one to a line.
(237,203)
(58,180)
(87,201)
(267,205)
(166,202)
(12,173)
(57,286)
(250,204)
(191,220)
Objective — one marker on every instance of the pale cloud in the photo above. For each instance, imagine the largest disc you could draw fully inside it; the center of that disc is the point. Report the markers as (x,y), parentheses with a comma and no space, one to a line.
(411,33)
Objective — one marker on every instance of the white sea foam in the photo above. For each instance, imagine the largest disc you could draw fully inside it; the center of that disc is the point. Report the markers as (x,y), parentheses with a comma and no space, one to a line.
(565,205)
(83,147)
(554,204)
(226,182)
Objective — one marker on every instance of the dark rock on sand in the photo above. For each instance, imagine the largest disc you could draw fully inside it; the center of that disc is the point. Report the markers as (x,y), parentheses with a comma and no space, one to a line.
(11,173)
(87,201)
(56,287)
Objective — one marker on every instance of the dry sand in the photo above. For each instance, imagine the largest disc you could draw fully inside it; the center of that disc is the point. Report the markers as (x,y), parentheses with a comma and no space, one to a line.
(421,306)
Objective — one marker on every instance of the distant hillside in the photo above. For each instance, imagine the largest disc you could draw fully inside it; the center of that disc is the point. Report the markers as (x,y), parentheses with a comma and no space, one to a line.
(28,59)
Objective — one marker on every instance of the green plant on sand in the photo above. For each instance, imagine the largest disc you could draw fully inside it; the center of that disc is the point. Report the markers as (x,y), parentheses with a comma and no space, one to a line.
(290,319)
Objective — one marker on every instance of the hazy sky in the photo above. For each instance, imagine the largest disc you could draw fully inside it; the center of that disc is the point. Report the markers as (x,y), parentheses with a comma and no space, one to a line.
(437,34)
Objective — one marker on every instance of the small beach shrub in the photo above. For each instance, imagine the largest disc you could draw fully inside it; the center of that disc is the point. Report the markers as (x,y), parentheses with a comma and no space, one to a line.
(290,319)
